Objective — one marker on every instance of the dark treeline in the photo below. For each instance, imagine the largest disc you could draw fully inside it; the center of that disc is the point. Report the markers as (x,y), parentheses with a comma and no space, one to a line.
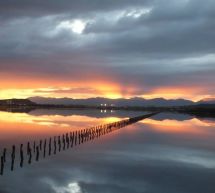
(36,150)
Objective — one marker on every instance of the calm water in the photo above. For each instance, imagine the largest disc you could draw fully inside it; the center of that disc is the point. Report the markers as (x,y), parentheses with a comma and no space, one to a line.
(167,153)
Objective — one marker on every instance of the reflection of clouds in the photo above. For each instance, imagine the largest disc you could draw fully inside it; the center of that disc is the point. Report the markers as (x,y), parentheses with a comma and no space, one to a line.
(19,127)
(28,119)
(54,120)
(125,162)
(208,122)
(121,166)
(191,126)
(72,187)
(175,123)
(190,156)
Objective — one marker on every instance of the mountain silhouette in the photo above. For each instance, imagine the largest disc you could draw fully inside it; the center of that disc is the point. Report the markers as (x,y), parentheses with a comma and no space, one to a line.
(207,101)
(99,101)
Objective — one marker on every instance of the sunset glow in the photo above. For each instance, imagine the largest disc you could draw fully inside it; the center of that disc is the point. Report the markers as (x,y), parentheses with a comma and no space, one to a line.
(107,96)
(173,126)
(119,53)
(97,90)
(98,86)
(175,93)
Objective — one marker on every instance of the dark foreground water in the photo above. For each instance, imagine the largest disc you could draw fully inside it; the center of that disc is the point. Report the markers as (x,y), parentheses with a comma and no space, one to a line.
(167,153)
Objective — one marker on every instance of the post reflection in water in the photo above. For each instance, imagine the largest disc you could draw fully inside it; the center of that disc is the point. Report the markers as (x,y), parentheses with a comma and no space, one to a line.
(63,142)
(13,154)
(50,147)
(22,155)
(30,156)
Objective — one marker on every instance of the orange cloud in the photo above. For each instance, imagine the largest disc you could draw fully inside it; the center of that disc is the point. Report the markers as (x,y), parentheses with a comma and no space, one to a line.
(96,85)
(75,89)
(92,83)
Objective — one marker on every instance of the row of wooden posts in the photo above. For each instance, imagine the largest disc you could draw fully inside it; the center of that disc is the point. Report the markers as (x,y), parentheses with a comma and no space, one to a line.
(40,149)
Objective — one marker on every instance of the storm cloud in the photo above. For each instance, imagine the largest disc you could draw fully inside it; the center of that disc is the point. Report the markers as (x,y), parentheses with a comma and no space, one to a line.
(143,45)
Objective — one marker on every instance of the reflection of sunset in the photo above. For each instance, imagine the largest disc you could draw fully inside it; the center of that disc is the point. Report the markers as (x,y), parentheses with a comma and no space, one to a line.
(112,119)
(174,126)
(21,124)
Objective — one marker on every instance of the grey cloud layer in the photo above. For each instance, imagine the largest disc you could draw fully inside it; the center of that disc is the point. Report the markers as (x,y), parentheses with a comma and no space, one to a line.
(150,42)
(14,8)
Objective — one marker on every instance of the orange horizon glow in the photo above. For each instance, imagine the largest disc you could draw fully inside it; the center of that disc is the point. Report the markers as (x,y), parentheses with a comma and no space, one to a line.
(100,86)
(99,90)
(24,87)
(106,91)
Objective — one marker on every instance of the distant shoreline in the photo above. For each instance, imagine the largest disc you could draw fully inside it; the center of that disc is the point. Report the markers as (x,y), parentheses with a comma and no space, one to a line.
(196,110)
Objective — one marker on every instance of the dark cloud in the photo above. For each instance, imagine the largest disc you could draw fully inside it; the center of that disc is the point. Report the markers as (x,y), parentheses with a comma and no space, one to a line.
(14,8)
(142,44)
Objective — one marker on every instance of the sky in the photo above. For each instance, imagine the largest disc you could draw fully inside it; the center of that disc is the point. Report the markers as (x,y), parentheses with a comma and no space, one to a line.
(108,48)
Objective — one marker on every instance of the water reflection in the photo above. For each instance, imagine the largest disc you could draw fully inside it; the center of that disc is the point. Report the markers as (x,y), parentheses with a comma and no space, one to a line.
(21,127)
(168,153)
(66,141)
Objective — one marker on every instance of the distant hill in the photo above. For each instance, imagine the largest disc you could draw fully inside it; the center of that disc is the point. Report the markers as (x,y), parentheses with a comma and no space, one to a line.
(207,101)
(17,102)
(99,101)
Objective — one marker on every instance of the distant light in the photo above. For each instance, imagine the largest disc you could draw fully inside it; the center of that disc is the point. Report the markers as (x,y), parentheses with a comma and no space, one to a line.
(105,105)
